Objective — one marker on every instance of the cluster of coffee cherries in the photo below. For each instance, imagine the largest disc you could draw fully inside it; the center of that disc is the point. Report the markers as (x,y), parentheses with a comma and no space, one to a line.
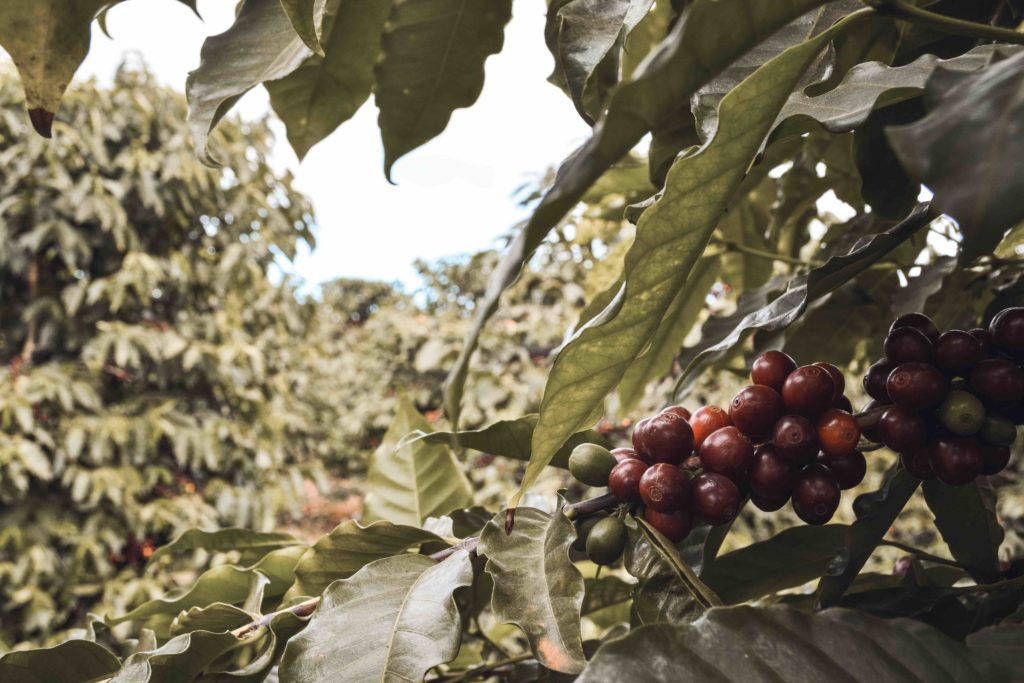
(949,403)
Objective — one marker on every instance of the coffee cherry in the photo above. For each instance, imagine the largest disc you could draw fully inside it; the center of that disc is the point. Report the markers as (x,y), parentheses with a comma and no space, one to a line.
(768,504)
(771,369)
(998,430)
(920,322)
(1007,329)
(815,494)
(995,458)
(837,379)
(755,409)
(678,410)
(624,480)
(666,437)
(638,436)
(957,461)
(843,403)
(957,351)
(675,525)
(907,344)
(875,379)
(729,453)
(714,499)
(838,432)
(591,464)
(664,487)
(918,462)
(706,421)
(583,530)
(795,439)
(770,477)
(606,541)
(917,386)
(902,430)
(808,391)
(624,453)
(869,420)
(962,413)
(849,468)
(997,381)
(984,338)
(1014,412)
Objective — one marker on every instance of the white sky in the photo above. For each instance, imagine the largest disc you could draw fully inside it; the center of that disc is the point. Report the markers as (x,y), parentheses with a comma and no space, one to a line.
(453,194)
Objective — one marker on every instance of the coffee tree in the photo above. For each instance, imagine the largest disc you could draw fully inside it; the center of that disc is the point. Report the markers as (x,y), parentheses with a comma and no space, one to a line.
(760,116)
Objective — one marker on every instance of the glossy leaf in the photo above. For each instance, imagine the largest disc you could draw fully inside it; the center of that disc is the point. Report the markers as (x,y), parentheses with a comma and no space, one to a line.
(224,540)
(73,661)
(302,15)
(966,518)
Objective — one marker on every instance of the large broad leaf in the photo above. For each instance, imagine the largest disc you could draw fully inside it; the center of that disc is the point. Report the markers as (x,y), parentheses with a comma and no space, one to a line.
(224,540)
(670,237)
(393,620)
(658,595)
(1002,646)
(226,584)
(180,660)
(968,150)
(260,46)
(432,63)
(282,626)
(326,91)
(783,644)
(966,518)
(536,586)
(409,484)
(47,39)
(302,14)
(73,661)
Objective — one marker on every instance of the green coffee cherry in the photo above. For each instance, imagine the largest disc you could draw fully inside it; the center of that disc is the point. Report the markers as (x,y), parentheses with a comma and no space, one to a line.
(999,431)
(606,541)
(583,531)
(591,463)
(962,413)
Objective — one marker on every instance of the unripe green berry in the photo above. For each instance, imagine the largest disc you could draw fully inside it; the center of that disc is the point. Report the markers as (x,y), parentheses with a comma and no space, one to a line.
(999,430)
(962,413)
(590,464)
(606,541)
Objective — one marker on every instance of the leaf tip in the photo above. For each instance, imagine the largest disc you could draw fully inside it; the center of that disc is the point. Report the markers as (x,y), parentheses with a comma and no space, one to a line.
(42,121)
(510,520)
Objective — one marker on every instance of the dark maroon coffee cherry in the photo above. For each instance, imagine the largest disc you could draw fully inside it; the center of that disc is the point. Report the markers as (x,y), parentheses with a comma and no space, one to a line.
(956,352)
(808,391)
(875,379)
(918,462)
(768,504)
(1007,330)
(624,453)
(666,437)
(837,379)
(917,386)
(902,430)
(957,461)
(838,432)
(997,381)
(815,494)
(770,477)
(638,436)
(624,480)
(664,487)
(771,369)
(714,499)
(984,338)
(706,421)
(755,409)
(795,439)
(920,322)
(849,468)
(843,403)
(907,344)
(680,411)
(869,418)
(675,525)
(995,458)
(729,453)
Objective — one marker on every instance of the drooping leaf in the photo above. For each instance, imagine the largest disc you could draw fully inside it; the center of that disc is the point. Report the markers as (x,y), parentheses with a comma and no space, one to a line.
(966,518)
(432,63)
(225,583)
(393,620)
(73,661)
(536,586)
(302,15)
(224,540)
(180,660)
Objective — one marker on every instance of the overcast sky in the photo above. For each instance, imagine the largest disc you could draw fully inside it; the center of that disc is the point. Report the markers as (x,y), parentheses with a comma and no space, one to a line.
(454,194)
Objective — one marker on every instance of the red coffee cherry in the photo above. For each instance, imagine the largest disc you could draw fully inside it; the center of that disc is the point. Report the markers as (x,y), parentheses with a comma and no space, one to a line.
(957,461)
(768,504)
(869,420)
(638,437)
(770,477)
(843,403)
(917,386)
(795,439)
(714,499)
(997,381)
(675,525)
(664,487)
(905,345)
(920,322)
(837,379)
(706,421)
(808,391)
(875,379)
(984,338)
(995,458)
(1007,329)
(771,369)
(624,453)
(902,430)
(838,432)
(729,453)
(849,468)
(624,480)
(918,462)
(957,351)
(678,410)
(815,494)
(666,437)
(755,409)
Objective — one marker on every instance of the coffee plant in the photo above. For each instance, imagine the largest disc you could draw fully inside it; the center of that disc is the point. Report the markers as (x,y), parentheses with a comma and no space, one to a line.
(776,228)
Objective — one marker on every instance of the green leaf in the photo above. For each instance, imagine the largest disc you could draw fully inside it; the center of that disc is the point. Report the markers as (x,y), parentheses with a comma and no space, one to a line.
(224,540)
(607,595)
(180,660)
(73,661)
(279,631)
(326,91)
(658,595)
(302,15)
(684,574)
(1001,645)
(536,586)
(432,63)
(260,46)
(966,518)
(393,620)
(408,484)
(226,584)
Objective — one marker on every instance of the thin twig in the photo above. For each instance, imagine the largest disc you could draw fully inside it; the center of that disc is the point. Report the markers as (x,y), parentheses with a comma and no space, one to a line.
(303,609)
(900,9)
(730,245)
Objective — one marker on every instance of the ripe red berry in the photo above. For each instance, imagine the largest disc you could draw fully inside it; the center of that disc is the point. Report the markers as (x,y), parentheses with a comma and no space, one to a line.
(907,344)
(624,453)
(771,369)
(984,338)
(666,437)
(875,378)
(768,504)
(770,477)
(838,432)
(870,415)
(729,453)
(706,421)
(995,458)
(755,409)
(902,430)
(918,462)
(957,461)
(815,494)
(808,391)
(917,386)
(664,487)
(675,525)
(624,480)
(957,351)
(678,410)
(920,322)
(638,436)
(1007,329)
(843,403)
(997,381)
(714,499)
(837,379)
(795,439)
(849,468)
